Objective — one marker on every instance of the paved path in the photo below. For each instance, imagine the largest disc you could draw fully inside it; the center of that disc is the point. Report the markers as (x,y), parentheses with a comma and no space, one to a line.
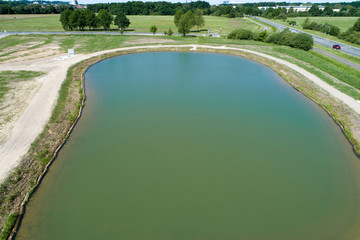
(354,51)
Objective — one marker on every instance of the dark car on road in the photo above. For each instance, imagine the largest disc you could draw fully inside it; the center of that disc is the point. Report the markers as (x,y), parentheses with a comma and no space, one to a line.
(336,46)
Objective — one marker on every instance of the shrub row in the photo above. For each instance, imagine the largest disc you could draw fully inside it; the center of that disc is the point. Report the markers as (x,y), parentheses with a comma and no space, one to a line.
(325,28)
(296,40)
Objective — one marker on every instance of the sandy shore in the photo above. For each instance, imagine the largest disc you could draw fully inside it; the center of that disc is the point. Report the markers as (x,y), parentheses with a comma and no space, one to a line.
(34,118)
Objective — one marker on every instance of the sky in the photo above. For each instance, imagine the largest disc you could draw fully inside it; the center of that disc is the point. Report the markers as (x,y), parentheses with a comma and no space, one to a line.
(212,2)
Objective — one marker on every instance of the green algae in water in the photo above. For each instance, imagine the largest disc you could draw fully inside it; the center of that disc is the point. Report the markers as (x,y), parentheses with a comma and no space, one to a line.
(180,146)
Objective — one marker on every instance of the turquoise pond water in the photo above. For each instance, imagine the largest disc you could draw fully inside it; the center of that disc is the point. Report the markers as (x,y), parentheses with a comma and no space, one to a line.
(182,146)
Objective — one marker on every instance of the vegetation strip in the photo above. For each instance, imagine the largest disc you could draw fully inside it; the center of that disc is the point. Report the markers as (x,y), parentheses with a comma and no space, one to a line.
(59,129)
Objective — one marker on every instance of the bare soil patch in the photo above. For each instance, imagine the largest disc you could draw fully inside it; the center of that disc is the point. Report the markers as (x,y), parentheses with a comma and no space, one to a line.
(147,41)
(15,102)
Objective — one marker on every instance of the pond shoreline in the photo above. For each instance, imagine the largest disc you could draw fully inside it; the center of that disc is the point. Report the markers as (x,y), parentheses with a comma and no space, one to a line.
(76,78)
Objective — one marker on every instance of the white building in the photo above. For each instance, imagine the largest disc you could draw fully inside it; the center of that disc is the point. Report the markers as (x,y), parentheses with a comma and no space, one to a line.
(74,2)
(233,2)
(300,8)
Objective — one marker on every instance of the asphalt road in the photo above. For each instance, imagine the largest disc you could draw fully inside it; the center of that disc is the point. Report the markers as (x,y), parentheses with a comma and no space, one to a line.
(354,51)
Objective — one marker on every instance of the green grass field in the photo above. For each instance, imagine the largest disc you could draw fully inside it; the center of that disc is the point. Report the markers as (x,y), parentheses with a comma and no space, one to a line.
(30,22)
(138,23)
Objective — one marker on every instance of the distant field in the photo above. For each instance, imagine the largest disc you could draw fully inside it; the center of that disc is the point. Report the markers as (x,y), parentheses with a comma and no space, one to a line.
(342,22)
(30,22)
(138,23)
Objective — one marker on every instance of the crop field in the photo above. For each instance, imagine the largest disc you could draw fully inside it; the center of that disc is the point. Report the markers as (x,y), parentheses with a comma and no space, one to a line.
(51,22)
(342,22)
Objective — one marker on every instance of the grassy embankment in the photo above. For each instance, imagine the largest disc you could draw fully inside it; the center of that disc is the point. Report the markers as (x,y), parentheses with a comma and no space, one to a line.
(26,177)
(340,54)
(138,23)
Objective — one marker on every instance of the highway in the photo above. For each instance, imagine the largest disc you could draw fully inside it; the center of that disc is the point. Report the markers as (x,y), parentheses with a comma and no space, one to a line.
(354,51)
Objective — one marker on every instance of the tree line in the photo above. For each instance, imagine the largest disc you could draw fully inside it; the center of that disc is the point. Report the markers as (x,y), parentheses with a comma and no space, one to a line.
(86,18)
(168,8)
(150,8)
(351,35)
(80,19)
(314,11)
(7,7)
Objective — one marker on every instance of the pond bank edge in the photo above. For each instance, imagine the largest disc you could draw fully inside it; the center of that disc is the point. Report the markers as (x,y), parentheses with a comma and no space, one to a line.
(81,103)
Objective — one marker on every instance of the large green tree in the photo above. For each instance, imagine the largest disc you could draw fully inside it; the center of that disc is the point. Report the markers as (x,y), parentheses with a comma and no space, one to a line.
(104,19)
(64,19)
(356,26)
(199,19)
(177,17)
(74,19)
(121,21)
(186,22)
(82,20)
(90,18)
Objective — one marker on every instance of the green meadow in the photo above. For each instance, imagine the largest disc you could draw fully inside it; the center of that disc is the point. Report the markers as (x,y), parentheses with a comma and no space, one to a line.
(138,23)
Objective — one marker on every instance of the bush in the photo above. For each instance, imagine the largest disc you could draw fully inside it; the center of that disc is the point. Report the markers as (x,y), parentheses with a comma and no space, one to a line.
(356,26)
(330,29)
(240,34)
(261,36)
(281,16)
(296,40)
(281,38)
(302,41)
(170,32)
(153,29)
(325,28)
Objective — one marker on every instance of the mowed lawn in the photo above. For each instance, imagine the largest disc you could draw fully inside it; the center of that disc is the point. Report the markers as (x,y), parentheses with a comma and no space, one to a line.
(30,22)
(50,22)
(342,22)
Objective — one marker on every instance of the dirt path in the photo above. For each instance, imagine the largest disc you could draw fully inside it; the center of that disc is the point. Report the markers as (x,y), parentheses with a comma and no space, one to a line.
(38,112)
(265,28)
